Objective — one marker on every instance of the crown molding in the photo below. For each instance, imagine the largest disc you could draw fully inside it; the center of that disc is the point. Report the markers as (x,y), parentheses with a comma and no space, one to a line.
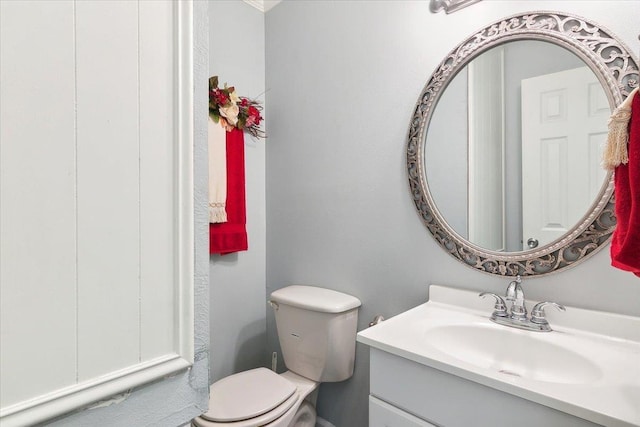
(262,5)
(258,4)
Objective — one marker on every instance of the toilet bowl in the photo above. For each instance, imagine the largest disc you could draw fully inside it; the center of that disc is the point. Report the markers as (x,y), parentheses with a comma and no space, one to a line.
(317,334)
(260,397)
(305,416)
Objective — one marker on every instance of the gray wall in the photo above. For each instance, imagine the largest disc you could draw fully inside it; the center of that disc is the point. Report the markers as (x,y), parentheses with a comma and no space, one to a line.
(175,400)
(343,78)
(238,298)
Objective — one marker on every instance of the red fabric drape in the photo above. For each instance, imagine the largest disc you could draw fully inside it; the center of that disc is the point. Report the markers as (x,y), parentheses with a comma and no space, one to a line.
(625,242)
(231,236)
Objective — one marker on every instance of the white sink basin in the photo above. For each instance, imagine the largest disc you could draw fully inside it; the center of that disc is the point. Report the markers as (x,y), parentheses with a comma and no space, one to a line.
(513,352)
(588,366)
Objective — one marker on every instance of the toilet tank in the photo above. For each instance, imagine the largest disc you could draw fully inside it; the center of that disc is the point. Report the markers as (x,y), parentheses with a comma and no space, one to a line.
(317,331)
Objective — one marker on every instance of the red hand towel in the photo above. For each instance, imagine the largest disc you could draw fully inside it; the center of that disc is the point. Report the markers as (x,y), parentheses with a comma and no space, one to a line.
(231,236)
(625,242)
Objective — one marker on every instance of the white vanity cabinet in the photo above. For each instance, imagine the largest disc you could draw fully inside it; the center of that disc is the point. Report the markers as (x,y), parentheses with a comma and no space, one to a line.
(382,414)
(445,363)
(405,393)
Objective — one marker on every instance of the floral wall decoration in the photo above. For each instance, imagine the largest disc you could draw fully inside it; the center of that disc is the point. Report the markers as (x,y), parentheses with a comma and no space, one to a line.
(230,116)
(233,111)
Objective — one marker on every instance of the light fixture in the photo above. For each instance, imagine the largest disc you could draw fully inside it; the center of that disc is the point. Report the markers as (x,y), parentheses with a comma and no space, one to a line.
(450,6)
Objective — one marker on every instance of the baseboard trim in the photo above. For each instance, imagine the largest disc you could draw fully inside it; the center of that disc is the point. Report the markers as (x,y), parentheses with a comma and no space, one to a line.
(321,422)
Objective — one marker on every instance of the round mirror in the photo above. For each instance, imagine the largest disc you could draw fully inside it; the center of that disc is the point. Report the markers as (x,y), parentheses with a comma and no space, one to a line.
(523,126)
(504,150)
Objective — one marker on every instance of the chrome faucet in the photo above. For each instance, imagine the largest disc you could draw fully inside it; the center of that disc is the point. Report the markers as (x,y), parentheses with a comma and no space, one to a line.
(515,295)
(516,317)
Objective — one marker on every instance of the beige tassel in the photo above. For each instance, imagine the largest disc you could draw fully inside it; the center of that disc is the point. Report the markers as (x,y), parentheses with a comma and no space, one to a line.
(217,213)
(615,152)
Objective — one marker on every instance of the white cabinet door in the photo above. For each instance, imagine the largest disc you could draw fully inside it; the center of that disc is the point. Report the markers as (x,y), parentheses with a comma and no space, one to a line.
(381,414)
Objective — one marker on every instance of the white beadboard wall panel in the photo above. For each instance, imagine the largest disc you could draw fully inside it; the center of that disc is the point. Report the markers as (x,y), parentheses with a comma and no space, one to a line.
(37,199)
(97,213)
(157,193)
(108,190)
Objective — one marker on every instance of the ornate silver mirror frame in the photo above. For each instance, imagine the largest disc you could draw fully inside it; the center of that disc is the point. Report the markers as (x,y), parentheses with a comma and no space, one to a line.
(616,69)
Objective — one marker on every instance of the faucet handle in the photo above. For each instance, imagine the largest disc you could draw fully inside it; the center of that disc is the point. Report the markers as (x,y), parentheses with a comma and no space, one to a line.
(537,313)
(500,308)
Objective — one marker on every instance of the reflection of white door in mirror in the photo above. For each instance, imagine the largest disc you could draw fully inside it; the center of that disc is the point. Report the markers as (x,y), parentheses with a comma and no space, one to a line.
(564,127)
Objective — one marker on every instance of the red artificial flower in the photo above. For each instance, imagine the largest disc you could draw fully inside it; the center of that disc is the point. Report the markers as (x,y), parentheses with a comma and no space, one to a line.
(254,114)
(220,97)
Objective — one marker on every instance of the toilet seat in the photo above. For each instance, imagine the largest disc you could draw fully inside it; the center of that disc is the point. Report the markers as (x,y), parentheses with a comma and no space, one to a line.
(267,420)
(250,398)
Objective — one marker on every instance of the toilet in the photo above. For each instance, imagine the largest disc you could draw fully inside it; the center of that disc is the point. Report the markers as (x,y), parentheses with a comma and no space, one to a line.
(317,333)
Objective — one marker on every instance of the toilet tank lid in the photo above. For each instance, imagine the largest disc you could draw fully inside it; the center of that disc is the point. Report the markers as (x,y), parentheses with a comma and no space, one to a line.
(315,299)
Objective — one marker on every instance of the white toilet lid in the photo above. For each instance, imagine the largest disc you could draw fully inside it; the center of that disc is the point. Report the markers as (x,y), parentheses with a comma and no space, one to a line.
(247,394)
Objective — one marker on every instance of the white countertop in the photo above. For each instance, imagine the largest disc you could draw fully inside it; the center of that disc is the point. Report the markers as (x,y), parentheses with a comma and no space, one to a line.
(609,342)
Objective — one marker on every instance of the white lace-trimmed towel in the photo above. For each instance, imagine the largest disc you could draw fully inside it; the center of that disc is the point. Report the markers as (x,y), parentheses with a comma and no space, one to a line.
(217,172)
(615,152)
